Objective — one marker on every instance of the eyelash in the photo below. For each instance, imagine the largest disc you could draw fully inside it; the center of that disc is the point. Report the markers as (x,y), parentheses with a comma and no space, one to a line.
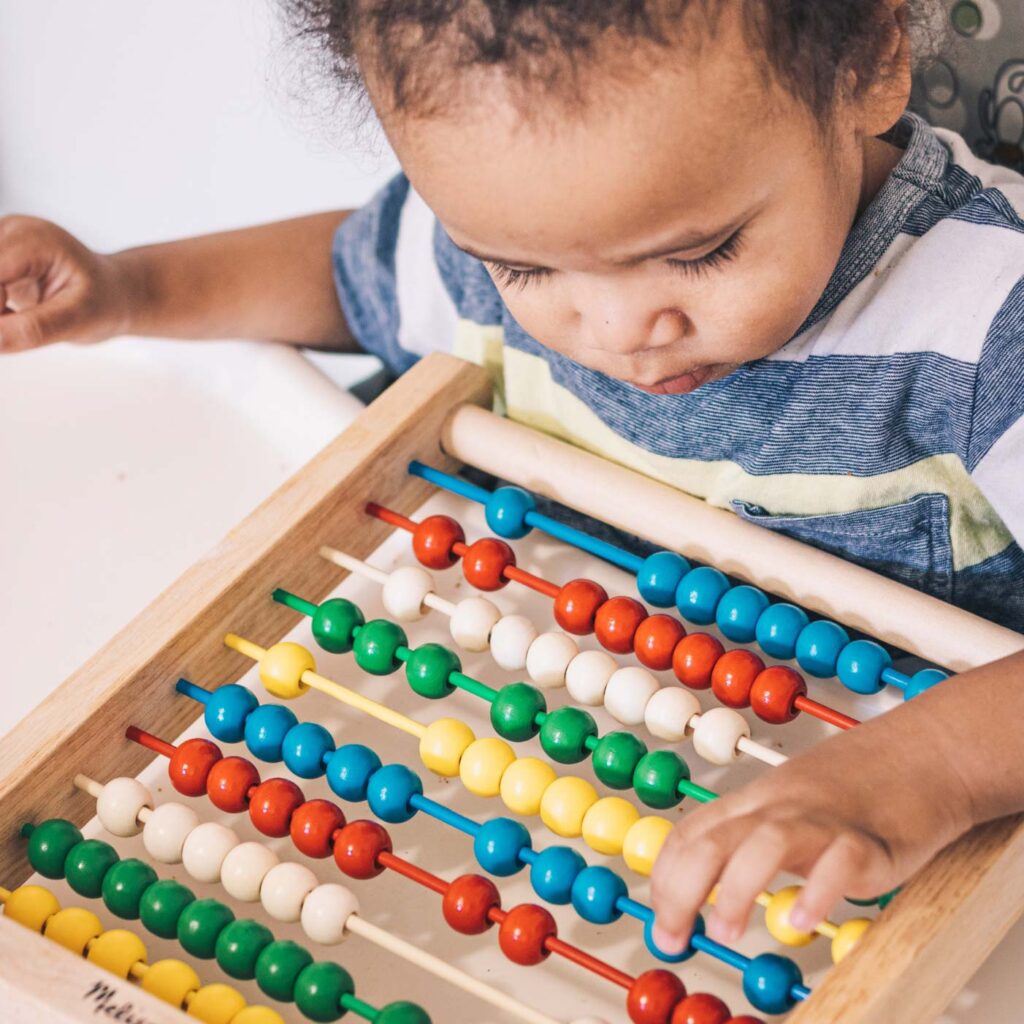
(511,277)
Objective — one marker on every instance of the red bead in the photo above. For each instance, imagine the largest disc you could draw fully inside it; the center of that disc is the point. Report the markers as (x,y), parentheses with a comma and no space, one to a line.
(616,623)
(733,676)
(701,1008)
(434,539)
(774,692)
(468,902)
(485,562)
(357,847)
(524,932)
(229,782)
(272,804)
(190,766)
(577,604)
(313,826)
(656,639)
(745,1019)
(652,997)
(694,659)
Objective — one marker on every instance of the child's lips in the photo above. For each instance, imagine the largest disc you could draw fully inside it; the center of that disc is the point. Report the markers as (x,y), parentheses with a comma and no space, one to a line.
(681,385)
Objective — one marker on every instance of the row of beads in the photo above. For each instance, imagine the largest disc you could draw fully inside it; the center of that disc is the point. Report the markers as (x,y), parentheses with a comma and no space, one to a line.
(207,928)
(703,595)
(124,954)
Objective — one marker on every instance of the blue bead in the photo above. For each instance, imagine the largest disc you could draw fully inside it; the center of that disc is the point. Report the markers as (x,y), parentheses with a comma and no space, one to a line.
(553,872)
(738,611)
(497,846)
(670,958)
(699,592)
(860,666)
(349,770)
(304,748)
(506,510)
(923,680)
(226,712)
(778,628)
(768,980)
(596,893)
(659,576)
(390,793)
(265,730)
(818,647)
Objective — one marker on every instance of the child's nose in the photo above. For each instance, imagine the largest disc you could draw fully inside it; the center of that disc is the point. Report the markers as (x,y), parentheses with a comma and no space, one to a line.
(626,331)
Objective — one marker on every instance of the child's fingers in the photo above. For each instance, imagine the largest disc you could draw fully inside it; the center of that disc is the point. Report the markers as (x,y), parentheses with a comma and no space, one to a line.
(52,321)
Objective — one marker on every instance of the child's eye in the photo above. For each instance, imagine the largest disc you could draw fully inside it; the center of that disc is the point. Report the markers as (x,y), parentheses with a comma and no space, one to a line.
(516,277)
(710,261)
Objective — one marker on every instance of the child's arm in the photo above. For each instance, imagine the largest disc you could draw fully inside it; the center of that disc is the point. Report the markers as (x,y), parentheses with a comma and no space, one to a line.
(271,282)
(855,816)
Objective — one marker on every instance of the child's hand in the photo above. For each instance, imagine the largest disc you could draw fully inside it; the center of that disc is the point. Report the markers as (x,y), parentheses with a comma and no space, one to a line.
(855,816)
(52,288)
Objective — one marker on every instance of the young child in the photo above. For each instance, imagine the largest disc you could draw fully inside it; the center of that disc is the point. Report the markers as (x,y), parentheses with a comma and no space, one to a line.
(704,239)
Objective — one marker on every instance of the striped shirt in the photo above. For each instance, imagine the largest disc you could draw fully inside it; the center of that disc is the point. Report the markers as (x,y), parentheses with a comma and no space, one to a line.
(889,430)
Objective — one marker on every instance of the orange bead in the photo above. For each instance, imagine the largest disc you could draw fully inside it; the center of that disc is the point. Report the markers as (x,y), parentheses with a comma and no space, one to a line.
(313,826)
(272,804)
(701,1008)
(616,623)
(358,846)
(577,604)
(229,782)
(656,639)
(485,561)
(694,659)
(653,996)
(733,676)
(468,903)
(434,540)
(524,933)
(190,765)
(774,694)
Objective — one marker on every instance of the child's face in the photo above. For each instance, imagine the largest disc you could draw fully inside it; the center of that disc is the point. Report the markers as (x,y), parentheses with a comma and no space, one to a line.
(684,222)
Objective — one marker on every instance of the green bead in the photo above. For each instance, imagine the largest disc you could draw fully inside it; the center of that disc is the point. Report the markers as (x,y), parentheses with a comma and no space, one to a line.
(376,645)
(514,711)
(319,988)
(162,905)
(402,1013)
(87,865)
(278,966)
(657,777)
(49,844)
(239,945)
(335,623)
(124,884)
(564,734)
(429,668)
(615,758)
(200,926)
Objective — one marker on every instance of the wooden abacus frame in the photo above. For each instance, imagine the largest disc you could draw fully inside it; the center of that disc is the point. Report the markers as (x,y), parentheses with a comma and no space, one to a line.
(927,943)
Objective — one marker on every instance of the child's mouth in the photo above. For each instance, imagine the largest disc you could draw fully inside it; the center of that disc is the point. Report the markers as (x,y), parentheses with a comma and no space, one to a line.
(681,385)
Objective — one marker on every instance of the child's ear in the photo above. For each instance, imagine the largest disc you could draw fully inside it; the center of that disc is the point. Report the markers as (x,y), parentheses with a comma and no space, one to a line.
(881,101)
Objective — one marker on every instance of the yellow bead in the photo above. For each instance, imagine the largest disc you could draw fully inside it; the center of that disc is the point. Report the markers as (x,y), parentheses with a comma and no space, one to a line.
(644,841)
(32,906)
(216,1004)
(483,764)
(443,745)
(281,670)
(73,927)
(606,823)
(257,1015)
(848,936)
(171,981)
(118,950)
(524,784)
(565,803)
(776,918)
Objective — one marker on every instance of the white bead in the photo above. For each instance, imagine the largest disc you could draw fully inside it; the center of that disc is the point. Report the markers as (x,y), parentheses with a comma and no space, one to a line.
(587,677)
(166,830)
(404,591)
(669,711)
(548,658)
(325,912)
(284,888)
(244,869)
(205,848)
(472,622)
(716,734)
(510,641)
(119,804)
(627,694)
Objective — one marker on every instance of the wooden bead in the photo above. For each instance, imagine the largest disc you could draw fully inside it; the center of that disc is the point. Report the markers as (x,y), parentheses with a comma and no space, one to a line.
(73,928)
(776,918)
(694,659)
(434,541)
(282,669)
(483,763)
(325,912)
(655,641)
(244,869)
(284,888)
(119,805)
(616,623)
(587,675)
(774,694)
(510,641)
(848,935)
(652,997)
(313,826)
(171,981)
(165,832)
(577,604)
(606,823)
(644,841)
(472,621)
(565,803)
(229,783)
(358,846)
(485,561)
(205,848)
(701,1008)
(31,906)
(468,902)
(548,659)
(524,933)
(271,805)
(190,764)
(443,744)
(404,592)
(733,677)
(669,712)
(216,1003)
(716,734)
(627,694)
(118,951)
(524,784)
